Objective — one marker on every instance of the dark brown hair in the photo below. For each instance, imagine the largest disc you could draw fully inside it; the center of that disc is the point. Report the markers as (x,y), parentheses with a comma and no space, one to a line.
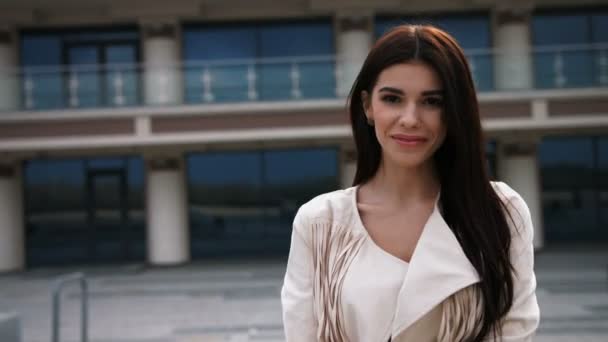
(469,204)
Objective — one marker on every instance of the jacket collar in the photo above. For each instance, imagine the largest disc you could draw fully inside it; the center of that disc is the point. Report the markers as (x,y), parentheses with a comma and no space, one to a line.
(438,268)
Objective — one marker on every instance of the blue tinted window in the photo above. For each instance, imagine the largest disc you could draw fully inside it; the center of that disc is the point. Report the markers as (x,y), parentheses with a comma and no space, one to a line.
(602,186)
(560,29)
(105,36)
(48,87)
(211,43)
(568,189)
(84,210)
(599,28)
(31,47)
(561,63)
(299,39)
(237,198)
(237,74)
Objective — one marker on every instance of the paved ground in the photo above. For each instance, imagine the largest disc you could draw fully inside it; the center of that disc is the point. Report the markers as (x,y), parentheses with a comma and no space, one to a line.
(239,301)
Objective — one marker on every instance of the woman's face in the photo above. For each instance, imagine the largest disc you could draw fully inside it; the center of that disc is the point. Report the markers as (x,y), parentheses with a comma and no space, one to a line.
(406,106)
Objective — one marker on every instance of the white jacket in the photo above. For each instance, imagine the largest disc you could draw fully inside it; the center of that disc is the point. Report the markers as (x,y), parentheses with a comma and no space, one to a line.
(340,286)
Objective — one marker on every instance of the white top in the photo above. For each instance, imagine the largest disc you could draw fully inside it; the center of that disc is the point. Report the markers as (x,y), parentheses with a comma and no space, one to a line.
(340,286)
(374,273)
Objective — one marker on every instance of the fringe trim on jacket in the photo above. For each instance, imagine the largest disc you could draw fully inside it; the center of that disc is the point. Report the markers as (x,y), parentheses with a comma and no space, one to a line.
(334,248)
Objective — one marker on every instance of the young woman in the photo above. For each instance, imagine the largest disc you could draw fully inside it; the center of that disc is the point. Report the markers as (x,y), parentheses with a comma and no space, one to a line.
(424,247)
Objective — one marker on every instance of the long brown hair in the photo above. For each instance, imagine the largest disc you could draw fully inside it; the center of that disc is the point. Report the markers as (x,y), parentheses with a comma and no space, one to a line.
(470,206)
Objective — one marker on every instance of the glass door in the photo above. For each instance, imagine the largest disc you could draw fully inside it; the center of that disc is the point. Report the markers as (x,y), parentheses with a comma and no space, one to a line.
(108,216)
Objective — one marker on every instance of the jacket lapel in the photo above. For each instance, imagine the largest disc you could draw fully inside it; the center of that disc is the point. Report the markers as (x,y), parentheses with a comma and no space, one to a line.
(438,269)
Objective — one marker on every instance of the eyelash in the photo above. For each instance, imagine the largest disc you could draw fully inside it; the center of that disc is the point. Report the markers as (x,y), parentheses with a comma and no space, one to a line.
(391,99)
(431,101)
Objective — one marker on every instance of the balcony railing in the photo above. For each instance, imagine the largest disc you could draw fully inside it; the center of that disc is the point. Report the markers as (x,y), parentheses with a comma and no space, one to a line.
(279,79)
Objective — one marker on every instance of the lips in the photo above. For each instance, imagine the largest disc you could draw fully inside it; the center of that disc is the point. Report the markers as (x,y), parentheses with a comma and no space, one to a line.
(408,140)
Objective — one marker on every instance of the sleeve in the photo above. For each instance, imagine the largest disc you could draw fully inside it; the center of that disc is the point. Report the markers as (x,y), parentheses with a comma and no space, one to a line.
(296,294)
(523,318)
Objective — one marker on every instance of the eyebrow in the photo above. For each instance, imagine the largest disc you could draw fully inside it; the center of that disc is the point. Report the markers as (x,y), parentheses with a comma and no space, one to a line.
(401,92)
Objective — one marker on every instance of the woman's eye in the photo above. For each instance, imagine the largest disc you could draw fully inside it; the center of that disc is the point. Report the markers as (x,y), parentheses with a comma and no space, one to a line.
(433,101)
(391,99)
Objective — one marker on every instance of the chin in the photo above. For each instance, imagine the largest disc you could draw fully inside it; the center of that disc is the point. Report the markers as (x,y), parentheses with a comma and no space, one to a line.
(409,161)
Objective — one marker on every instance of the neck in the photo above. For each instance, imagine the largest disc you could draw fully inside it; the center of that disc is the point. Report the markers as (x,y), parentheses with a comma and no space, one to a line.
(403,186)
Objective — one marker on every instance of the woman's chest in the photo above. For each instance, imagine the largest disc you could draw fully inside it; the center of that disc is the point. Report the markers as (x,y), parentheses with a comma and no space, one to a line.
(370,291)
(395,234)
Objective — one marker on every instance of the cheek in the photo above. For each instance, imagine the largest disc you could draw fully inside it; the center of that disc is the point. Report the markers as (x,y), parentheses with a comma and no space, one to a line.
(437,124)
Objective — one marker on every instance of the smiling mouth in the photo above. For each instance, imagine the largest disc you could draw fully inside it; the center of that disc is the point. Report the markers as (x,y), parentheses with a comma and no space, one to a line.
(408,140)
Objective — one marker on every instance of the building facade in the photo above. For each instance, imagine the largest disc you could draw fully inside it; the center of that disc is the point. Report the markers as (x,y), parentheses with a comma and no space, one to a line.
(142,131)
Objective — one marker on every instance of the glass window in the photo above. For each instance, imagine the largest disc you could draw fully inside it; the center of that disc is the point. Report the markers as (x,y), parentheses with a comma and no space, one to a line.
(243,203)
(45,84)
(49,86)
(564,60)
(568,189)
(227,82)
(56,219)
(299,175)
(315,77)
(122,84)
(223,61)
(602,185)
(599,28)
(81,210)
(225,208)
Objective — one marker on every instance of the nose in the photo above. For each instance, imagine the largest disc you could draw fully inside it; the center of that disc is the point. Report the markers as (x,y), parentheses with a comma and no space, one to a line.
(409,115)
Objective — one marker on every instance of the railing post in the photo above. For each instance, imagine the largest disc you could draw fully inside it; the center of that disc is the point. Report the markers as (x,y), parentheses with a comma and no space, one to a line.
(73,89)
(56,314)
(296,93)
(558,68)
(28,86)
(119,97)
(252,94)
(473,68)
(603,66)
(206,80)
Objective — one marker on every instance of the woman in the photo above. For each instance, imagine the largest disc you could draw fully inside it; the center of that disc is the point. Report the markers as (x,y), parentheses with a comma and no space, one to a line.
(423,247)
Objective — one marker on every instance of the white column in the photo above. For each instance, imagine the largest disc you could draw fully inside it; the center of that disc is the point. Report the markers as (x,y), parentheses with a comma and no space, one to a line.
(166,212)
(518,167)
(513,59)
(9,77)
(354,40)
(163,84)
(348,168)
(12,243)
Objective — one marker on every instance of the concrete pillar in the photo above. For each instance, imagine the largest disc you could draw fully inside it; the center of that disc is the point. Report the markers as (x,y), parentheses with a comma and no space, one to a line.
(518,167)
(12,242)
(166,212)
(348,168)
(9,77)
(163,80)
(354,40)
(513,59)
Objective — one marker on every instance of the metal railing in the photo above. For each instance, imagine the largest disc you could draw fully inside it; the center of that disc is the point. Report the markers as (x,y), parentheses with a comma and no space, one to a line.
(280,79)
(84,313)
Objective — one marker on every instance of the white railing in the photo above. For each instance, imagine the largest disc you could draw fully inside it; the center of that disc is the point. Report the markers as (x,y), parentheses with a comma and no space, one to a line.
(277,79)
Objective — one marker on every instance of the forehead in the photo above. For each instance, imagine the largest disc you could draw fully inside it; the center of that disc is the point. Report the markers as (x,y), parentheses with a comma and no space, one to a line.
(412,76)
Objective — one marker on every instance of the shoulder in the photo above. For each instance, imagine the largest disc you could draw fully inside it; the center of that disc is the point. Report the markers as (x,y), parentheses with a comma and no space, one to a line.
(327,207)
(517,212)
